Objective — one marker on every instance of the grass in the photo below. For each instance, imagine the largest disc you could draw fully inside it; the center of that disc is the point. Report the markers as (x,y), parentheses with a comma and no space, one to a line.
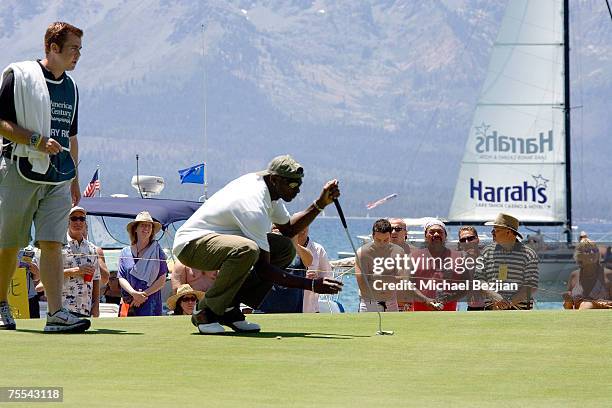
(473,359)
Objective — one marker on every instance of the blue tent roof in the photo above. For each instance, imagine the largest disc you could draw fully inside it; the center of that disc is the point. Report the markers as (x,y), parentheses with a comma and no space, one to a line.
(164,211)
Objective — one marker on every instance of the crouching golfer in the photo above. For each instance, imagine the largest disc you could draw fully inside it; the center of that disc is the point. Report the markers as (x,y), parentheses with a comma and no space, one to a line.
(231,232)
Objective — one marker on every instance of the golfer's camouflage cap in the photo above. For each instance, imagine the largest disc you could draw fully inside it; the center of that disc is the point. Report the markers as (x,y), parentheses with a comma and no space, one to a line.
(284,166)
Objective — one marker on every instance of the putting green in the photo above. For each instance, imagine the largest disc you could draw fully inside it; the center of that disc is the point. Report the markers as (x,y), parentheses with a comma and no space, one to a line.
(473,359)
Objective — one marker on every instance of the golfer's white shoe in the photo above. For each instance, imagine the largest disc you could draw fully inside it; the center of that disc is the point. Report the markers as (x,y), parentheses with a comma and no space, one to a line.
(234,319)
(206,321)
(211,328)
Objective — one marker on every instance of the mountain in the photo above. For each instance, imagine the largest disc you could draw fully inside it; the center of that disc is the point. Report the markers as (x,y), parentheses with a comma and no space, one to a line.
(378,94)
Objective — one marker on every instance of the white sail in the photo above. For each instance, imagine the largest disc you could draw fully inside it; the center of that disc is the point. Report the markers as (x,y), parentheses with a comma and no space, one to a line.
(514,159)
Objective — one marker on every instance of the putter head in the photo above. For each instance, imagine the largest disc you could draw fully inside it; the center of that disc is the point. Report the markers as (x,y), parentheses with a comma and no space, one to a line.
(385,333)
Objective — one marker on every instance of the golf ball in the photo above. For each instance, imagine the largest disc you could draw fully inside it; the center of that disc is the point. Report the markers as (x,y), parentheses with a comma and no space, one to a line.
(278,337)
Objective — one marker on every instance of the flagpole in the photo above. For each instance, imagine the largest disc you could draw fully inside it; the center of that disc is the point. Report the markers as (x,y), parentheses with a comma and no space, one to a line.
(99,181)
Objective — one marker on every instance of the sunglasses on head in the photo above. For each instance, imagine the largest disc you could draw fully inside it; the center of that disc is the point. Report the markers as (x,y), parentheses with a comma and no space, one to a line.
(397,229)
(76,218)
(468,239)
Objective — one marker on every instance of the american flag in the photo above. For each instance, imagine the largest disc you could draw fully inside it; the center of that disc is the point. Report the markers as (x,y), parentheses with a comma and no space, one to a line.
(381,201)
(93,186)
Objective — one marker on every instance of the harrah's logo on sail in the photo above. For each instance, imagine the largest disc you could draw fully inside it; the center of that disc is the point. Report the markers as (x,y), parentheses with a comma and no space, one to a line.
(525,192)
(495,143)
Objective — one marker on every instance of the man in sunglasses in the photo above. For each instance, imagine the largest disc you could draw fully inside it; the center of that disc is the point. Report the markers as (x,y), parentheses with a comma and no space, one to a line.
(469,244)
(81,291)
(231,232)
(372,296)
(399,234)
(399,237)
(508,266)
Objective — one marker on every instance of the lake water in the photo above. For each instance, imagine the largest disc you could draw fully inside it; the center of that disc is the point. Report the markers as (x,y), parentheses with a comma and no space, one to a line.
(328,231)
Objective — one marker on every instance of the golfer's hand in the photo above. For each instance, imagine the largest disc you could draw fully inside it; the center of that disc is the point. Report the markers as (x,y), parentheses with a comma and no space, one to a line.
(330,192)
(327,286)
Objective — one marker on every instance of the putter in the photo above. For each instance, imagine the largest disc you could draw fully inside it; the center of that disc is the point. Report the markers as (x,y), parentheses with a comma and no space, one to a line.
(380,331)
(438,305)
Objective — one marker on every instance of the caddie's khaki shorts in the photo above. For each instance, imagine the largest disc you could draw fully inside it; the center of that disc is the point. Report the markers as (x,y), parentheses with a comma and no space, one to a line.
(22,202)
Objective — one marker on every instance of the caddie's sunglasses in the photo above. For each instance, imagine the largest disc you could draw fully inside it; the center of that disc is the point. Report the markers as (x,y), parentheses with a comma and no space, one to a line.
(468,239)
(292,183)
(76,218)
(398,229)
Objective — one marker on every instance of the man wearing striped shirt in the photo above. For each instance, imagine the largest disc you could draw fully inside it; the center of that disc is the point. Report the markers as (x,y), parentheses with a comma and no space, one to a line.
(509,265)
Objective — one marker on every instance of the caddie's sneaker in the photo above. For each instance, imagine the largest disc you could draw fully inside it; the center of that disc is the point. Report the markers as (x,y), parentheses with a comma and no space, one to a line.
(6,318)
(234,319)
(206,321)
(64,321)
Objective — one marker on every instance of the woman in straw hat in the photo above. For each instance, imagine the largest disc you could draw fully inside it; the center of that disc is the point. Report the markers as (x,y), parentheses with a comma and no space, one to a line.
(142,269)
(589,287)
(185,300)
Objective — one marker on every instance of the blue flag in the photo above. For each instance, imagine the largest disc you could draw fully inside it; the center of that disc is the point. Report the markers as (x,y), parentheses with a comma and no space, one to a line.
(193,174)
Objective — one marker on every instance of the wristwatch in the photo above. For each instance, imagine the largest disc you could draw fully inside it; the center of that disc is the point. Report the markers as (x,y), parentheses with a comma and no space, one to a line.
(35,140)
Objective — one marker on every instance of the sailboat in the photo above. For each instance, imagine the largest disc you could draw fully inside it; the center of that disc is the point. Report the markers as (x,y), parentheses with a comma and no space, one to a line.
(517,155)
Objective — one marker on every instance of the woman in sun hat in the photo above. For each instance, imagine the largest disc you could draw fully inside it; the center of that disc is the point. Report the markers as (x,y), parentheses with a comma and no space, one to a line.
(185,300)
(142,269)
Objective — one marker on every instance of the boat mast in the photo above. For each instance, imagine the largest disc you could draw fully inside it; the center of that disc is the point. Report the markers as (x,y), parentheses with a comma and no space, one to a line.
(205,95)
(566,111)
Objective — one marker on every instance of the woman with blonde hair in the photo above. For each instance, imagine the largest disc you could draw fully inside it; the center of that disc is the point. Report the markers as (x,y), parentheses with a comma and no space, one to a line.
(142,269)
(589,287)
